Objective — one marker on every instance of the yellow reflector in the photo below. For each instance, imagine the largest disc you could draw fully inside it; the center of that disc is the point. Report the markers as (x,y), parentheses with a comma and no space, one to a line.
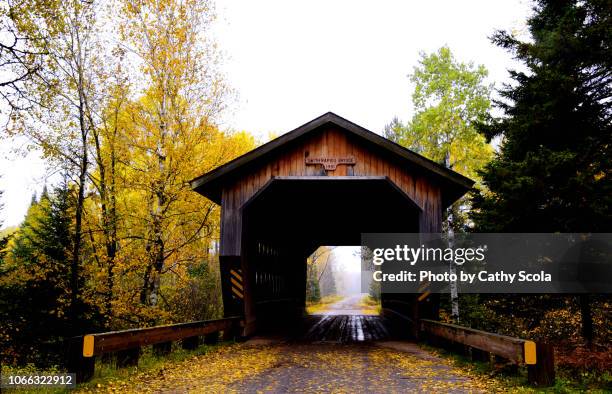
(88,346)
(424,295)
(237,292)
(237,284)
(530,352)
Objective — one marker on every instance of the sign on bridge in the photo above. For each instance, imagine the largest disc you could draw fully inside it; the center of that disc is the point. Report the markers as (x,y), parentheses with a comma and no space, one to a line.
(330,163)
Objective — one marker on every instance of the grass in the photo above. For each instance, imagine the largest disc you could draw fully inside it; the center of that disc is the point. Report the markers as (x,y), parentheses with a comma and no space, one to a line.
(30,369)
(106,372)
(566,381)
(323,304)
(369,306)
(107,377)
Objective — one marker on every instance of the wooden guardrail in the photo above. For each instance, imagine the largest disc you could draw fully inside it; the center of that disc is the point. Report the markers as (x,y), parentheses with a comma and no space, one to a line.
(539,357)
(126,344)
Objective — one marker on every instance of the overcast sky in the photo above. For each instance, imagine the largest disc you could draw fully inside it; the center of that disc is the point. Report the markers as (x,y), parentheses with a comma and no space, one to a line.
(291,61)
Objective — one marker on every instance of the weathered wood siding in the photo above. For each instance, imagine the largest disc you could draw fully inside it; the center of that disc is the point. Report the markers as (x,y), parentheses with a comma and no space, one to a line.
(333,143)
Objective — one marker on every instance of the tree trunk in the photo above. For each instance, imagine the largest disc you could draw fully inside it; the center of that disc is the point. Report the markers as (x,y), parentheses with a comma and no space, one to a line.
(454,294)
(112,241)
(108,206)
(76,251)
(144,291)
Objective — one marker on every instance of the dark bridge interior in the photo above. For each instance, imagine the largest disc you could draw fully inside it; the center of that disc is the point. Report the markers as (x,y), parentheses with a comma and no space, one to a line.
(292,216)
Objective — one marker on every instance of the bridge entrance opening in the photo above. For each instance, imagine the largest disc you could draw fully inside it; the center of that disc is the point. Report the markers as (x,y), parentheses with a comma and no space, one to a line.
(285,223)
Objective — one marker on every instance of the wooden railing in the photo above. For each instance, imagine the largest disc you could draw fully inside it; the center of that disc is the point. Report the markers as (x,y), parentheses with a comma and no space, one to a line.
(539,357)
(127,343)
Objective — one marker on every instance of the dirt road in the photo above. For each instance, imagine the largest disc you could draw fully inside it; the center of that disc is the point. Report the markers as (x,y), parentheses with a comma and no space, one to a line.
(262,366)
(349,305)
(340,351)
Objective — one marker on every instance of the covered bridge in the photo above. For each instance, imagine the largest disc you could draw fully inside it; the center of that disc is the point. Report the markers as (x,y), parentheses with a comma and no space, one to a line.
(324,183)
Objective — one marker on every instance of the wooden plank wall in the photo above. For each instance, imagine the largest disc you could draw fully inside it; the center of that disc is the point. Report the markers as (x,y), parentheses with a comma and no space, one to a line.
(333,143)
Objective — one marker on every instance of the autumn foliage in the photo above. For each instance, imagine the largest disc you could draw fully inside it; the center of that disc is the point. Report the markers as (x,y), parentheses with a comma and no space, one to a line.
(125,103)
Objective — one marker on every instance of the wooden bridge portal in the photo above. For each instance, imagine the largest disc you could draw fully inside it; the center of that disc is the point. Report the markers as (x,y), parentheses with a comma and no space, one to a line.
(324,183)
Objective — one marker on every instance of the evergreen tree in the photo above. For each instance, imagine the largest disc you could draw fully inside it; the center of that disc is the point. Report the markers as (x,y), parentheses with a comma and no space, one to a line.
(35,290)
(552,173)
(553,169)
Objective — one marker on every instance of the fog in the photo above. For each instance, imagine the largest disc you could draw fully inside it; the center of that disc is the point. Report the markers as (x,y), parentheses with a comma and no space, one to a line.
(347,270)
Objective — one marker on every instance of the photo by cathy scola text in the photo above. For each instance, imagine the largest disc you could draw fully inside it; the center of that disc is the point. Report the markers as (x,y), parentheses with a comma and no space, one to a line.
(531,263)
(466,277)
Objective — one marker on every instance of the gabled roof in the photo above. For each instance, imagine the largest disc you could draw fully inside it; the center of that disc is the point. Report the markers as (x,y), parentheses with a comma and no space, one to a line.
(454,185)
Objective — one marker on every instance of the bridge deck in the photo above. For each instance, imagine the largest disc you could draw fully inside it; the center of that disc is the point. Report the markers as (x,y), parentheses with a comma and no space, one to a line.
(346,329)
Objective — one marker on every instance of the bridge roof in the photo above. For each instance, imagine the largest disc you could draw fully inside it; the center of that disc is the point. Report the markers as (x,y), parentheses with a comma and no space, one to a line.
(454,185)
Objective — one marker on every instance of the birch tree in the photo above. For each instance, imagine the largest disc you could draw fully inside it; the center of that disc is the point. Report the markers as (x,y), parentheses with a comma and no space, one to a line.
(171,124)
(450,98)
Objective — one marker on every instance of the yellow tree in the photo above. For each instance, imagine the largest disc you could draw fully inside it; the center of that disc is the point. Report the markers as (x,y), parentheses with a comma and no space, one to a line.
(450,99)
(171,136)
(59,99)
(103,219)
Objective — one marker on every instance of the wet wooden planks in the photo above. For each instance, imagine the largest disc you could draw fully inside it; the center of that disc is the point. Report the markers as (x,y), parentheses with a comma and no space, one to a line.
(347,329)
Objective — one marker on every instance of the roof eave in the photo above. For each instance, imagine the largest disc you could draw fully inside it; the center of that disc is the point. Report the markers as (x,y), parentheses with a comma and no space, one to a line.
(210,178)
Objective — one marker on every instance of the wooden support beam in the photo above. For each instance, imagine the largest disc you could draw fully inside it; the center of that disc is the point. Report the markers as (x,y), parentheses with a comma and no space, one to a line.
(81,366)
(542,373)
(211,338)
(191,343)
(480,356)
(232,333)
(128,357)
(163,348)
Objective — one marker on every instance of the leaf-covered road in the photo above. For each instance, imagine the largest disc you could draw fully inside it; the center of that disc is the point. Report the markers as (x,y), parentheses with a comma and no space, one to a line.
(255,367)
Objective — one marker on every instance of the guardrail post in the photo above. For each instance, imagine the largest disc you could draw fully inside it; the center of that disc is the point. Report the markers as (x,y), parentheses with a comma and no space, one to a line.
(480,355)
(83,367)
(191,343)
(128,357)
(212,338)
(542,374)
(232,332)
(459,348)
(163,348)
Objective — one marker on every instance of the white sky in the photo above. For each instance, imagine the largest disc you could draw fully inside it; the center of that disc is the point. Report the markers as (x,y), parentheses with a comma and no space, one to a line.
(291,61)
